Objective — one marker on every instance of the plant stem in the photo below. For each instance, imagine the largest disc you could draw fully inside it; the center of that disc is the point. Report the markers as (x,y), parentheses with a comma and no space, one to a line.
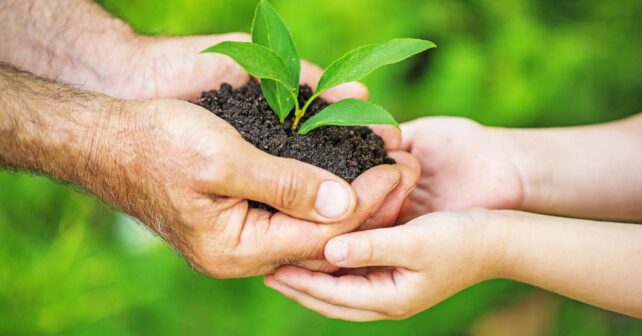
(300,113)
(297,110)
(297,118)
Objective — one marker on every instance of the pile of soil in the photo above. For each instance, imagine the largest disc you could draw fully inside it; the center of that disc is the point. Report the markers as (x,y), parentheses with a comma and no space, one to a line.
(345,151)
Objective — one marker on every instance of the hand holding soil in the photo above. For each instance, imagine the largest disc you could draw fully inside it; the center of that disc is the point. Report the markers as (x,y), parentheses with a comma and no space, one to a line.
(187,174)
(191,175)
(172,164)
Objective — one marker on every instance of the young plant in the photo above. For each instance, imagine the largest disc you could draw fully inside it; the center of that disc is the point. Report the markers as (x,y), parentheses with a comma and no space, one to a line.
(272,57)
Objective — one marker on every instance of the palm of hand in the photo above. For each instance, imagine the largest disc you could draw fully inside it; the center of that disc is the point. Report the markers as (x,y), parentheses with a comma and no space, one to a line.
(463,165)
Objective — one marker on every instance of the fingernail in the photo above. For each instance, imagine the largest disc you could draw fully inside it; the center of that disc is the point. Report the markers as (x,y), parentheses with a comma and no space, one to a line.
(336,251)
(333,199)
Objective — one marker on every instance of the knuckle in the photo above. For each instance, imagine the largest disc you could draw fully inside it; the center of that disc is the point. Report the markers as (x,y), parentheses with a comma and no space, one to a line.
(368,251)
(287,193)
(217,174)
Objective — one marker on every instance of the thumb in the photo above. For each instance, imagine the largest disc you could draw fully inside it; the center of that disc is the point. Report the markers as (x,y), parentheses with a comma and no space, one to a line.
(293,187)
(379,247)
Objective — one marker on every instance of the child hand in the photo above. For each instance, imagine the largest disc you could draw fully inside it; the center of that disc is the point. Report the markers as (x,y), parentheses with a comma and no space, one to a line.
(431,258)
(437,255)
(463,165)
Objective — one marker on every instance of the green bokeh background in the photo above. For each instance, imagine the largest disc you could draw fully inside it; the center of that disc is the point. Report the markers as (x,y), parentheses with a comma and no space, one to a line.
(72,266)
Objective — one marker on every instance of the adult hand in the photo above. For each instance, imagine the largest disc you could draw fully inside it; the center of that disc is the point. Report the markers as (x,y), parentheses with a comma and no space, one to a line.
(78,42)
(187,174)
(102,53)
(173,67)
(463,164)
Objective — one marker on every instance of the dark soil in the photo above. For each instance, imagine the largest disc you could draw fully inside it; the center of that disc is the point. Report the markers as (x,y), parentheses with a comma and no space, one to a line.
(344,151)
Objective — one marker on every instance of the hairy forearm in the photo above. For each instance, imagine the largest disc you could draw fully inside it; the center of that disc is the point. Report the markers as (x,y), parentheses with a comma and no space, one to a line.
(594,262)
(73,41)
(49,128)
(591,171)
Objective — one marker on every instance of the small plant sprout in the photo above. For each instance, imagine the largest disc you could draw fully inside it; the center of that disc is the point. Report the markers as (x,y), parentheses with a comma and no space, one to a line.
(272,57)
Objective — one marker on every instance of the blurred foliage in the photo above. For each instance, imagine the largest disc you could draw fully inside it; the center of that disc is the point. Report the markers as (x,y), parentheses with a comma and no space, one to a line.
(71,266)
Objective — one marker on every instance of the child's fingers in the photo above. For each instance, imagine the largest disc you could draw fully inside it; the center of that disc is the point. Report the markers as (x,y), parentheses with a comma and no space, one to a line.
(379,292)
(321,307)
(393,246)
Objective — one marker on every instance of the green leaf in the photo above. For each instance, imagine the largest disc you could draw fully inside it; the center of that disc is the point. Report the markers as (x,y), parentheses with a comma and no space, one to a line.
(269,30)
(349,112)
(258,60)
(278,97)
(360,62)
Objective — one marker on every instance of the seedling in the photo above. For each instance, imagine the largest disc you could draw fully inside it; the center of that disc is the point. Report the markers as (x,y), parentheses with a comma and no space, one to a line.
(272,57)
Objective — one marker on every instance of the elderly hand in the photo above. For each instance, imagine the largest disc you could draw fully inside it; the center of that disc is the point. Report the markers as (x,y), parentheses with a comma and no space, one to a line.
(78,42)
(174,165)
(185,173)
(172,67)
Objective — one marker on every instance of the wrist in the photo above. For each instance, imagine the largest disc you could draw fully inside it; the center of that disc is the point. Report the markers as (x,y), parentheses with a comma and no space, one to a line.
(481,241)
(505,240)
(50,128)
(97,132)
(488,243)
(77,43)
(531,165)
(96,59)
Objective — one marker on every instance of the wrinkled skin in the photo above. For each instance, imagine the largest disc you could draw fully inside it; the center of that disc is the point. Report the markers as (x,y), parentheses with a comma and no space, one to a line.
(184,173)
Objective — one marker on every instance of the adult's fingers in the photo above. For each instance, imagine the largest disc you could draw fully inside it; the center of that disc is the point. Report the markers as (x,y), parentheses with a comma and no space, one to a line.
(310,74)
(290,240)
(371,188)
(296,188)
(321,307)
(391,136)
(186,74)
(388,212)
(343,91)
